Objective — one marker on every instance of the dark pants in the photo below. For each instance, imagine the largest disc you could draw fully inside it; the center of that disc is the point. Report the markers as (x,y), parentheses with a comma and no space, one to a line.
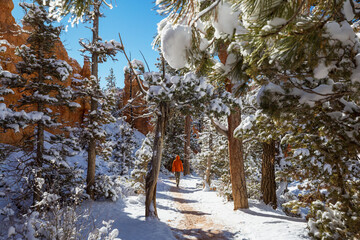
(177,176)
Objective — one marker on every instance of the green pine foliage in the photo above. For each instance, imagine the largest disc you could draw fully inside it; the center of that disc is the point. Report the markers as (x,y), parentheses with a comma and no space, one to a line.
(10,119)
(303,57)
(310,85)
(90,88)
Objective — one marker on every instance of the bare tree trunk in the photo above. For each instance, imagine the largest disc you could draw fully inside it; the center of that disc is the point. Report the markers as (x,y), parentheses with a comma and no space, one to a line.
(155,163)
(90,178)
(268,185)
(237,171)
(187,145)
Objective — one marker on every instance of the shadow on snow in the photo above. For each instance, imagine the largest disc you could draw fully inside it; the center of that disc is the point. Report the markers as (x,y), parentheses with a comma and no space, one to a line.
(200,234)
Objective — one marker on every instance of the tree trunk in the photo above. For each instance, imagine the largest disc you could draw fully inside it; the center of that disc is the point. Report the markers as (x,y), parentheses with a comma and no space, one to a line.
(237,171)
(187,145)
(268,185)
(131,106)
(39,139)
(155,163)
(208,164)
(90,178)
(39,156)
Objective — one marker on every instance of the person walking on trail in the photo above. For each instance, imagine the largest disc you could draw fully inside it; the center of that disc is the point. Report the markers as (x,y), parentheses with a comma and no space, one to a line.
(177,167)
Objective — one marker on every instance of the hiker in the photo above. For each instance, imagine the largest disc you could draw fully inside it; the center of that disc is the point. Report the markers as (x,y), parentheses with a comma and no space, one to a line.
(177,167)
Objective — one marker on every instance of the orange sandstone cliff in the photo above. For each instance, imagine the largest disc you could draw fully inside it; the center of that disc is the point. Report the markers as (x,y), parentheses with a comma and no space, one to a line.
(11,36)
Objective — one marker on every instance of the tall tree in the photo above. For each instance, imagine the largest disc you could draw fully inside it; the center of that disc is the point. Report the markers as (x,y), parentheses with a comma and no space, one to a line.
(90,9)
(90,176)
(259,128)
(236,158)
(268,185)
(41,74)
(97,116)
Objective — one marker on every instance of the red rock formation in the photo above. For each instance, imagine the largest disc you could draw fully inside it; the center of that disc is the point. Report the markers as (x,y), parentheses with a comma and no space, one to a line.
(134,114)
(11,36)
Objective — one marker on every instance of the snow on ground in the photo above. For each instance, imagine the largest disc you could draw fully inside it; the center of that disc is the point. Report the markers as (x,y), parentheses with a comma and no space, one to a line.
(128,218)
(259,222)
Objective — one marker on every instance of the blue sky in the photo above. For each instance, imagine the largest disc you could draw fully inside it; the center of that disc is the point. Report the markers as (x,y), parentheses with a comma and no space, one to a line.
(133,19)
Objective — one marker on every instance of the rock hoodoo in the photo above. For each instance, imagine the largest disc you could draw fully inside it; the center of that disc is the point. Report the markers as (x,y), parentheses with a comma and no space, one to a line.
(134,114)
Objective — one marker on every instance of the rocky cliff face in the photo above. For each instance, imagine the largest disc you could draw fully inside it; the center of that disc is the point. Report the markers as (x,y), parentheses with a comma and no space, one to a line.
(11,36)
(133,115)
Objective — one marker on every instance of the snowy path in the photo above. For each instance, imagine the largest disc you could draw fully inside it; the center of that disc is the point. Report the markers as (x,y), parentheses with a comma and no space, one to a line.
(195,214)
(194,224)
(190,213)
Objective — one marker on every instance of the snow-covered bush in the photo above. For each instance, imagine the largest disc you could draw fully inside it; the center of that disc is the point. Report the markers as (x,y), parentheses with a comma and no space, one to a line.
(54,218)
(294,207)
(105,232)
(107,187)
(335,221)
(57,223)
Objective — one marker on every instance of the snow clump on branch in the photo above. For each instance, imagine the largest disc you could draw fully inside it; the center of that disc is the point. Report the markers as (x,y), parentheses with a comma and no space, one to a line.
(175,41)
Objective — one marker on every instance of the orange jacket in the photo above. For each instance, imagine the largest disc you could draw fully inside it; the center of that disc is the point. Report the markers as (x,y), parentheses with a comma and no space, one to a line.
(177,165)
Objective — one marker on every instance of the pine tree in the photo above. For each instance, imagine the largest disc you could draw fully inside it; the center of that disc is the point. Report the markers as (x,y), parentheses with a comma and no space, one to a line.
(257,129)
(123,150)
(97,116)
(40,76)
(110,80)
(311,81)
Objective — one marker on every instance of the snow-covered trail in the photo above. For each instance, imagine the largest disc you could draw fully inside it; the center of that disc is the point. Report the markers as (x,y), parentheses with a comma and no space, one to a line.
(196,214)
(194,224)
(191,213)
